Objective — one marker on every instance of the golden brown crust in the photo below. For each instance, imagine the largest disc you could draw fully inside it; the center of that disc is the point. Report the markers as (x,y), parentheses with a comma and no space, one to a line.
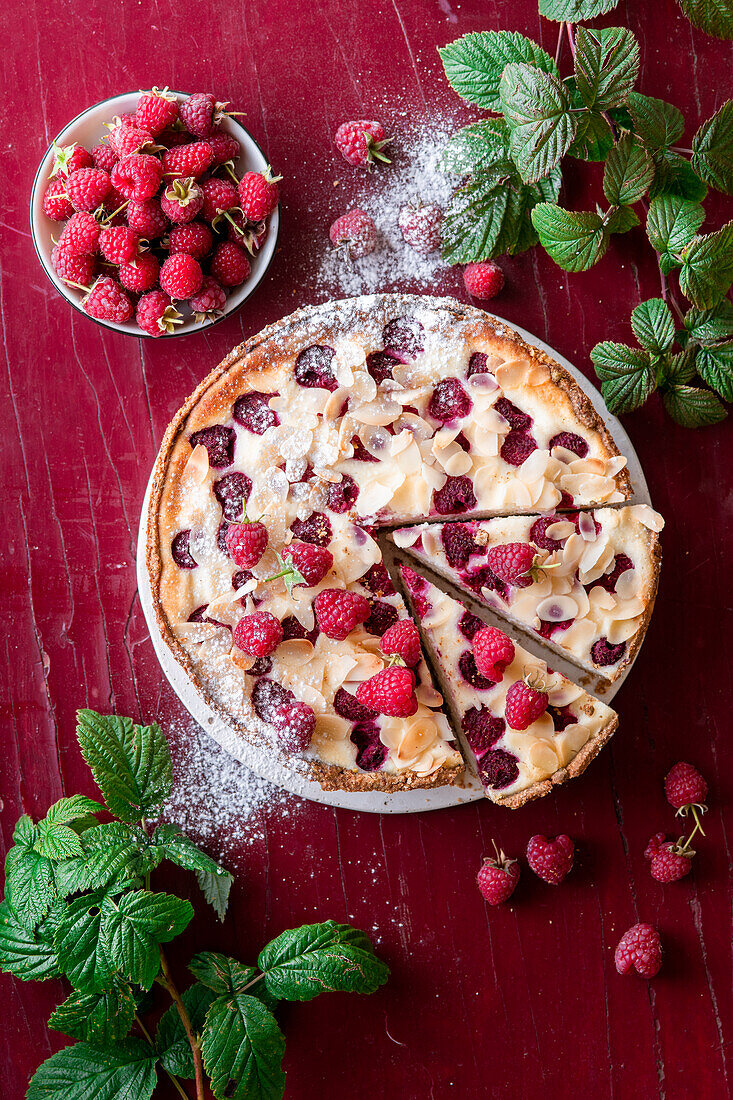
(332,778)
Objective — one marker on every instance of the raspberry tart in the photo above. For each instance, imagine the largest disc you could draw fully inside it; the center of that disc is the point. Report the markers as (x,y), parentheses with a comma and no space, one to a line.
(525,728)
(327,426)
(585,582)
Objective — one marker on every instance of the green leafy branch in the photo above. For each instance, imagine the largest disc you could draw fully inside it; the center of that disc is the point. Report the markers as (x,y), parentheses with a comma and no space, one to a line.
(511,164)
(78,904)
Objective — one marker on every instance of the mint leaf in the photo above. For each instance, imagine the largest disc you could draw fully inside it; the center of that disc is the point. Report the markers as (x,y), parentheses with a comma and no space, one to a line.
(477,148)
(85,1072)
(29,884)
(171,1042)
(131,764)
(653,325)
(104,1017)
(712,149)
(474,63)
(713,16)
(220,973)
(671,224)
(319,958)
(215,888)
(606,65)
(629,171)
(243,1048)
(691,407)
(658,124)
(572,11)
(574,240)
(112,852)
(715,366)
(134,924)
(22,953)
(626,375)
(537,108)
(706,326)
(79,945)
(707,267)
(593,139)
(674,176)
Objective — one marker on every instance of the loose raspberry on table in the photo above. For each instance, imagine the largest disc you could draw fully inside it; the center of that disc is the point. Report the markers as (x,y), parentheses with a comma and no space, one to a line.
(118,244)
(258,194)
(355,232)
(361,142)
(258,634)
(141,274)
(684,787)
(390,692)
(56,203)
(137,176)
(339,612)
(229,265)
(208,303)
(182,200)
(146,218)
(639,949)
(73,269)
(156,314)
(181,276)
(69,158)
(224,147)
(524,705)
(668,860)
(200,112)
(512,562)
(156,110)
(498,878)
(80,235)
(404,640)
(493,651)
(195,238)
(312,562)
(219,195)
(87,188)
(420,226)
(107,301)
(551,860)
(246,543)
(188,160)
(483,280)
(295,724)
(104,156)
(129,139)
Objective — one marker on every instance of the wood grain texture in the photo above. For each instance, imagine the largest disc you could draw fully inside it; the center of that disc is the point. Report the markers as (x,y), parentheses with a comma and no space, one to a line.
(519,1002)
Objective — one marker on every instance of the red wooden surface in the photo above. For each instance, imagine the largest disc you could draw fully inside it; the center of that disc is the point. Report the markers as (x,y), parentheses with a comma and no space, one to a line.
(523,1001)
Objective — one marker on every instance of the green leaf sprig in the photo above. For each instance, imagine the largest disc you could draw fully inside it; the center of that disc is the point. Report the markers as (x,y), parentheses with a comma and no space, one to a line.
(78,904)
(510,167)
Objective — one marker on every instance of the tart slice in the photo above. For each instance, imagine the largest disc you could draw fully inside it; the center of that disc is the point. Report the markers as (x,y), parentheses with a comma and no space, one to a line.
(526,729)
(583,581)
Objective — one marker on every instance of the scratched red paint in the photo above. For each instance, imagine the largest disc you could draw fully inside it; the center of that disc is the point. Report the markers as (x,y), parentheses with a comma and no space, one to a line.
(510,1003)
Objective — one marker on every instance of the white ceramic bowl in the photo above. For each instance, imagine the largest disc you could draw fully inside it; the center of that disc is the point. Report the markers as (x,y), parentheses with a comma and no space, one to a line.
(86,129)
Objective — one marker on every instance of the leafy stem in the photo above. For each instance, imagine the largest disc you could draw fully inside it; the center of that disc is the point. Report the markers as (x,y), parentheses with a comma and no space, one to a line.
(171,1076)
(170,985)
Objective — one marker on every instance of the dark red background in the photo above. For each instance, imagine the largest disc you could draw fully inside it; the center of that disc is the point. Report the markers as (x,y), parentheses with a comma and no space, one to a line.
(521,1001)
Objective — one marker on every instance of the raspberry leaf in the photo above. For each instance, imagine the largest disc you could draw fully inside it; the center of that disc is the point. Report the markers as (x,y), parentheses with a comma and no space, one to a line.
(692,407)
(112,852)
(214,881)
(220,973)
(712,149)
(674,176)
(707,267)
(629,171)
(679,368)
(477,147)
(81,952)
(130,764)
(626,375)
(574,239)
(134,924)
(104,1017)
(606,65)
(671,224)
(658,124)
(29,884)
(319,958)
(474,64)
(572,11)
(22,953)
(86,1072)
(243,1048)
(715,366)
(215,887)
(537,108)
(620,219)
(653,325)
(593,139)
(171,1042)
(706,326)
(713,16)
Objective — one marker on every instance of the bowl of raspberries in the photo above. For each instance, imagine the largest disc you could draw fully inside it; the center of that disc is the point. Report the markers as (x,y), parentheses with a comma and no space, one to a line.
(155,213)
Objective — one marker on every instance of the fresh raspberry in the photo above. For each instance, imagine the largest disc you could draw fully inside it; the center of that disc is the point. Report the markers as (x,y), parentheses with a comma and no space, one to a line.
(498,878)
(421,226)
(493,651)
(258,194)
(87,188)
(239,231)
(80,235)
(229,265)
(390,692)
(181,276)
(639,949)
(339,612)
(156,315)
(104,156)
(224,147)
(107,301)
(118,244)
(551,860)
(355,232)
(483,280)
(137,176)
(524,705)
(188,160)
(140,275)
(174,136)
(295,724)
(56,203)
(72,268)
(146,218)
(404,640)
(246,543)
(361,142)
(196,239)
(218,195)
(156,110)
(312,562)
(209,301)
(201,112)
(669,861)
(258,634)
(129,139)
(512,562)
(182,200)
(69,158)
(684,786)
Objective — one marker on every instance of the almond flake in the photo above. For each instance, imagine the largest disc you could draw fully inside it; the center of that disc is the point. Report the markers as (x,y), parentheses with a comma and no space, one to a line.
(405,537)
(587,526)
(556,609)
(543,757)
(647,517)
(197,467)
